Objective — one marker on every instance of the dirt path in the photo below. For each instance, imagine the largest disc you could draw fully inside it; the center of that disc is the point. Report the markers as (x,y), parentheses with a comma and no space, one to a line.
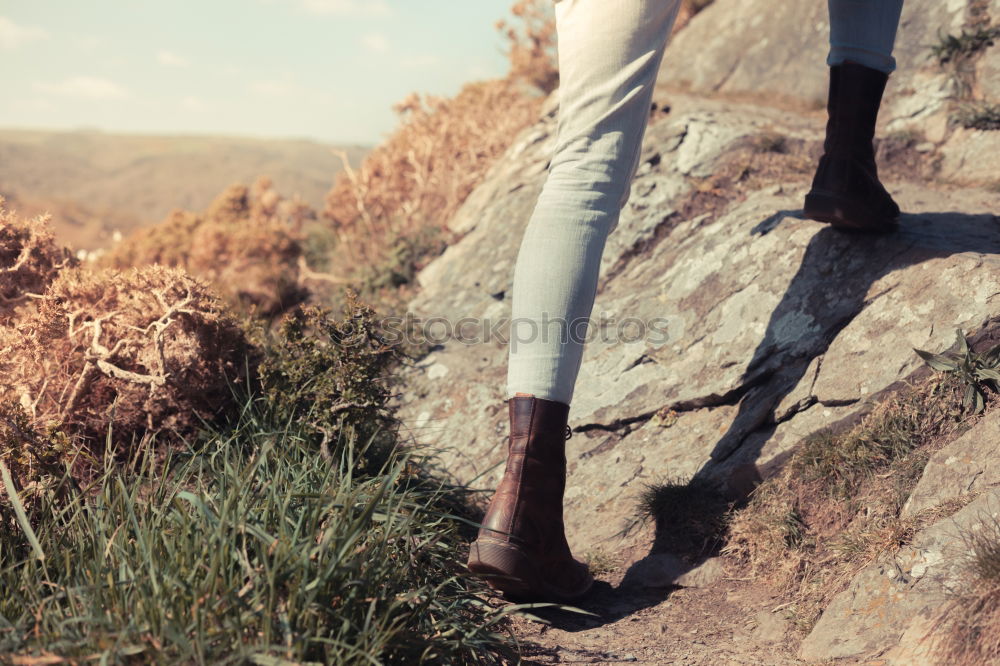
(730,622)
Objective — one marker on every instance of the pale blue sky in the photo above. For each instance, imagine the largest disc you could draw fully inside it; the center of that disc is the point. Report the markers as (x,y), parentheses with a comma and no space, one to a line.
(324,69)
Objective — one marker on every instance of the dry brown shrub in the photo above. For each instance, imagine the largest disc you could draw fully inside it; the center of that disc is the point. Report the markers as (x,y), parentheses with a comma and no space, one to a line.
(29,258)
(248,244)
(531,46)
(420,176)
(148,350)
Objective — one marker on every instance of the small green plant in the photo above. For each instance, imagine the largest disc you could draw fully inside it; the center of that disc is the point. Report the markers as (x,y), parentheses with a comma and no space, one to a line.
(793,528)
(980,116)
(953,47)
(957,55)
(332,374)
(976,371)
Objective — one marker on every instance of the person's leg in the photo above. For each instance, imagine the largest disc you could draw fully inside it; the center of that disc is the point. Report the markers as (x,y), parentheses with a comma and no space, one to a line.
(863,32)
(846,191)
(609,55)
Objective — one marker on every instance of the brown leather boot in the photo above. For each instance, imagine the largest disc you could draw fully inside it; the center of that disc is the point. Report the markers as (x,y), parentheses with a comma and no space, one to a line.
(522,549)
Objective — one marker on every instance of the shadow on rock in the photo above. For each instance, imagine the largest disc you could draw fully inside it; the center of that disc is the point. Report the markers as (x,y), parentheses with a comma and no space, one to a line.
(691,524)
(831,287)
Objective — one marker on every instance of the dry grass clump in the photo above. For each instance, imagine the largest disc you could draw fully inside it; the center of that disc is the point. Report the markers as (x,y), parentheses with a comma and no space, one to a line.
(835,505)
(248,244)
(112,356)
(968,632)
(29,258)
(981,116)
(691,517)
(417,179)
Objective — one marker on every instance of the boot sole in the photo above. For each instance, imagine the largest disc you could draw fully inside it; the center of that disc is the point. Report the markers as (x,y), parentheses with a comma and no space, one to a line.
(510,570)
(846,214)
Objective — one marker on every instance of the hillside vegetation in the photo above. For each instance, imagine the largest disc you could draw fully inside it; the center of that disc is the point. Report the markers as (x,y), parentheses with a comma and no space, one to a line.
(183,485)
(95,183)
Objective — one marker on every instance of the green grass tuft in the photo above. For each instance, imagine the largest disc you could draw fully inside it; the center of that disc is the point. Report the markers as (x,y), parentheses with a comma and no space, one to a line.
(980,116)
(249,547)
(953,47)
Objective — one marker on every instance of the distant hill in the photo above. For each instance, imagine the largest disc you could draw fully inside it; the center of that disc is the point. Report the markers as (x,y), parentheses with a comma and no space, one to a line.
(95,183)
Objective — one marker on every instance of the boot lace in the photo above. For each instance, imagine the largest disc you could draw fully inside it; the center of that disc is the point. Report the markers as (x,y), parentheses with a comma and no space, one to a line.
(569,432)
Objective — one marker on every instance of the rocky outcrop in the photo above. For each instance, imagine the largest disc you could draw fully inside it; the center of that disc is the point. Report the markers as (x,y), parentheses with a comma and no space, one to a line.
(891,609)
(770,326)
(774,52)
(727,327)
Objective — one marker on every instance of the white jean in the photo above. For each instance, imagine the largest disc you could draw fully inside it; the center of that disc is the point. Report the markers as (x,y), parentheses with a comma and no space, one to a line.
(609,56)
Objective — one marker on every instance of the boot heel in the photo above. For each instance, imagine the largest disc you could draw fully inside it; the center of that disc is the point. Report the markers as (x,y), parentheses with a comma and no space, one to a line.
(843,213)
(504,567)
(824,207)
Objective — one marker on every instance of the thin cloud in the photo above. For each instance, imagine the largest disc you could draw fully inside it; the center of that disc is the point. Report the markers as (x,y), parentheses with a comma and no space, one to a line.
(375,42)
(420,62)
(34,104)
(272,88)
(87,42)
(191,103)
(90,87)
(171,59)
(13,35)
(348,7)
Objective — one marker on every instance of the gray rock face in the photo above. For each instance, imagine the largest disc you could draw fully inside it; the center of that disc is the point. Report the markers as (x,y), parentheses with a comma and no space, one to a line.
(972,156)
(760,327)
(775,326)
(970,464)
(768,50)
(889,607)
(757,47)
